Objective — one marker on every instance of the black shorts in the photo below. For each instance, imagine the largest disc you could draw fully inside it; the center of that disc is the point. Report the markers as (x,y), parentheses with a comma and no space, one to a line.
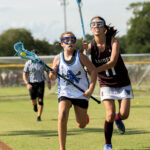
(37,90)
(83,103)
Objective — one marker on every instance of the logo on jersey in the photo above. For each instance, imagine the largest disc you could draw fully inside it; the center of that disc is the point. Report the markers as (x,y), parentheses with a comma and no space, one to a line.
(72,77)
(102,61)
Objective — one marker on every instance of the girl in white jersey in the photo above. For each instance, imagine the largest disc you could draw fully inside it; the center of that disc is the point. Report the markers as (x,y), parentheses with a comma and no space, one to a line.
(70,64)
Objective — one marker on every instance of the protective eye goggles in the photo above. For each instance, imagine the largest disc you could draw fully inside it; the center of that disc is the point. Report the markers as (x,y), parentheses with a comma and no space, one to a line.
(71,39)
(98,23)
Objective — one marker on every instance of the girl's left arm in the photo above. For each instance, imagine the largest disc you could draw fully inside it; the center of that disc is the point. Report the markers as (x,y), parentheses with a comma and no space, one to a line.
(113,58)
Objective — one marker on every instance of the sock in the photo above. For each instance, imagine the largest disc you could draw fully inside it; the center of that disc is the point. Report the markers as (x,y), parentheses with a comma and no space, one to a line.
(108,130)
(117,117)
(35,105)
(35,108)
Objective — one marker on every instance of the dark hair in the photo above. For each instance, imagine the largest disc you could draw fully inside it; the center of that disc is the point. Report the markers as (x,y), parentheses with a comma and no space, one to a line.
(110,31)
(35,51)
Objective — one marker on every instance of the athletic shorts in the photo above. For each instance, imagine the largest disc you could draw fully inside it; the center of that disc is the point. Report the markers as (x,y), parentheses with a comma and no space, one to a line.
(83,103)
(116,93)
(37,90)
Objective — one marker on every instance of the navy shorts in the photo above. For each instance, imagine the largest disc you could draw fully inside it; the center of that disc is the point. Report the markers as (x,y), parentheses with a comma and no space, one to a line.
(83,103)
(37,90)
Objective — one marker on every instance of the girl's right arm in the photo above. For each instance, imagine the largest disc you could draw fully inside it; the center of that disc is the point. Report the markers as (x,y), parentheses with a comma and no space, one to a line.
(53,75)
(86,46)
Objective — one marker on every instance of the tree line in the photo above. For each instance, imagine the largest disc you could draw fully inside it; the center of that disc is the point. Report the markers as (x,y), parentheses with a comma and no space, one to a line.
(136,40)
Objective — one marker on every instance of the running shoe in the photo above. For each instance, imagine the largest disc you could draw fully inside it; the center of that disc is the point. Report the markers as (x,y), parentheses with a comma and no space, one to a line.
(38,118)
(108,147)
(120,126)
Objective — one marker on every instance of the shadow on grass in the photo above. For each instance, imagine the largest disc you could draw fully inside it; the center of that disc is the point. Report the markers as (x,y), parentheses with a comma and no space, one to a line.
(69,132)
(141,106)
(131,131)
(143,148)
(85,130)
(41,133)
(146,148)
(13,98)
(49,133)
(74,119)
(77,131)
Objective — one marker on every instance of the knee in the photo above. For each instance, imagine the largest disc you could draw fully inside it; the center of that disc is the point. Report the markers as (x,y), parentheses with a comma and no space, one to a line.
(81,125)
(41,102)
(110,117)
(124,115)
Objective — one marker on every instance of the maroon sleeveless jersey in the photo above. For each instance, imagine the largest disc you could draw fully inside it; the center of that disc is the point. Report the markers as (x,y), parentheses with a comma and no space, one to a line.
(114,77)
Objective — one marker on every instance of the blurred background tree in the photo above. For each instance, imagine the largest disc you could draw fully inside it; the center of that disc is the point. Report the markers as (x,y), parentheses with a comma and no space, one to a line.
(136,40)
(11,36)
(138,34)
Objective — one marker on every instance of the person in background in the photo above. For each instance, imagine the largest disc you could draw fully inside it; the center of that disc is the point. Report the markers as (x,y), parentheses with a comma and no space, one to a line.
(34,78)
(112,76)
(4,78)
(70,63)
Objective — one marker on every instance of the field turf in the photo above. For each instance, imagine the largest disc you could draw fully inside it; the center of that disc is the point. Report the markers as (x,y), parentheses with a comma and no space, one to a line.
(20,130)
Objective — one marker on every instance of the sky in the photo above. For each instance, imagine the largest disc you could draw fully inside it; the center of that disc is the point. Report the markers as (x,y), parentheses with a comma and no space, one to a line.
(45,18)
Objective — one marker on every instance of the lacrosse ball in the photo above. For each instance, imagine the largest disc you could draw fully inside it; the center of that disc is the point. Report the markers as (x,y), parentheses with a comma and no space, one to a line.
(23,54)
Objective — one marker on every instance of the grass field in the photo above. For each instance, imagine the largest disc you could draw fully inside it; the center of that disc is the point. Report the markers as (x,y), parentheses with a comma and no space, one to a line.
(20,130)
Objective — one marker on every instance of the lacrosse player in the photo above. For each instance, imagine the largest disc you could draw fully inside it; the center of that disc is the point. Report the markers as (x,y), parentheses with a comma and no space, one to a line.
(112,76)
(70,63)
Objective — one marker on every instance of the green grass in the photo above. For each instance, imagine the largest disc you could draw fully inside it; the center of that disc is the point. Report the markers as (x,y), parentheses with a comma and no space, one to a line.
(20,130)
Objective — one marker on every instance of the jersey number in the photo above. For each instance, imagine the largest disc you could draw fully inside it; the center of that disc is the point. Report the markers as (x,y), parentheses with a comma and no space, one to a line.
(113,72)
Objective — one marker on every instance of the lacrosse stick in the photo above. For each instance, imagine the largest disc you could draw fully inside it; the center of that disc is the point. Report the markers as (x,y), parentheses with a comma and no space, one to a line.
(82,23)
(25,54)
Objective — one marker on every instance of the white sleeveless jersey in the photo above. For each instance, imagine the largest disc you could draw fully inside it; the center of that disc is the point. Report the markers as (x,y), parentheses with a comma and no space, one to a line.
(76,74)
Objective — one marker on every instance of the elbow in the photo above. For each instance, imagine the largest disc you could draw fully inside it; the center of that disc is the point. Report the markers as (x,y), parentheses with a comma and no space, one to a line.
(111,66)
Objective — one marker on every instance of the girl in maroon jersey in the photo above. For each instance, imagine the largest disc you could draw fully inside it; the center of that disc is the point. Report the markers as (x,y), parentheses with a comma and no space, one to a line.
(112,76)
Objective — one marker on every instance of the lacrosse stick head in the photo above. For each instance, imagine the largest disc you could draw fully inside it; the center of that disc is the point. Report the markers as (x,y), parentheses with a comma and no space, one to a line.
(25,54)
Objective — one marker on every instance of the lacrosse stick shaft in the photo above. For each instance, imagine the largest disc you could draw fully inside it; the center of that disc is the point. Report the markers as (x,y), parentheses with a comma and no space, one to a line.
(20,51)
(68,81)
(82,24)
